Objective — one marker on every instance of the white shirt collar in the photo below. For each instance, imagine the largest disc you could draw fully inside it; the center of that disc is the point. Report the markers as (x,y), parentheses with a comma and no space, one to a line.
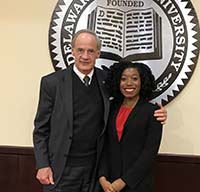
(81,75)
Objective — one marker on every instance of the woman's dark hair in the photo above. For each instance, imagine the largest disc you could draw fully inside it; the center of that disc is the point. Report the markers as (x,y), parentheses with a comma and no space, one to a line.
(114,75)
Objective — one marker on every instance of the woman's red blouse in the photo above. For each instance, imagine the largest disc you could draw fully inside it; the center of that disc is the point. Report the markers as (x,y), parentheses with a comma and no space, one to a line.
(121,119)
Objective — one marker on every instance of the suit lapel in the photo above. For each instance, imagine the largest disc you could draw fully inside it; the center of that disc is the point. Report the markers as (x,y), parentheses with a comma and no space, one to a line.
(114,117)
(66,95)
(132,115)
(129,120)
(104,94)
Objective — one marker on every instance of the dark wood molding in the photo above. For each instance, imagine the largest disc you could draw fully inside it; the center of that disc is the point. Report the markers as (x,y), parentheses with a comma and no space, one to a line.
(16,150)
(178,158)
(173,172)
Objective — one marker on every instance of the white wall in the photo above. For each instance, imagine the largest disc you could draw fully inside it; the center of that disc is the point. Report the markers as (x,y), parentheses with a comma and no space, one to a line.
(24,58)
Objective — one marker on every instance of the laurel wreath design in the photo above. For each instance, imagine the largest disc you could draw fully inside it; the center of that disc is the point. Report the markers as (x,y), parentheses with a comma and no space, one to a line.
(164,83)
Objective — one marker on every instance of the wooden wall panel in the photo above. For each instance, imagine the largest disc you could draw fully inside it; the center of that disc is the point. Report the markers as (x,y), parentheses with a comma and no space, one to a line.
(17,170)
(177,173)
(173,173)
(9,167)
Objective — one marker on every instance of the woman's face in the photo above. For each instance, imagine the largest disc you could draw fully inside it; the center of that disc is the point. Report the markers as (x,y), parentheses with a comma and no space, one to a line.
(130,83)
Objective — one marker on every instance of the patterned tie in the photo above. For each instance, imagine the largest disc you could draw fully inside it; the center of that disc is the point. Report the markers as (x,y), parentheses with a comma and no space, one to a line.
(86,80)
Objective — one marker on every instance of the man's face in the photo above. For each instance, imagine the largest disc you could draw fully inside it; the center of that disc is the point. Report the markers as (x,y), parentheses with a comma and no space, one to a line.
(85,52)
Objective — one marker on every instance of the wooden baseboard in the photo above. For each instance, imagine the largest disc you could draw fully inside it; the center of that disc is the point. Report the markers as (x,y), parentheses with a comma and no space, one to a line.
(173,172)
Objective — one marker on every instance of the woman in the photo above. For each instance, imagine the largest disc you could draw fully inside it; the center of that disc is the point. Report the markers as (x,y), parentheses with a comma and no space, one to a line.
(133,134)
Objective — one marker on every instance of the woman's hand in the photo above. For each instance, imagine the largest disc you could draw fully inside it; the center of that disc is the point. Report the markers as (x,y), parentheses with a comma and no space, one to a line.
(106,185)
(118,185)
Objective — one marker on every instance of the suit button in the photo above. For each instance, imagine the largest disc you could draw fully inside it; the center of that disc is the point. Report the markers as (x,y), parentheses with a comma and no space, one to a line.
(70,137)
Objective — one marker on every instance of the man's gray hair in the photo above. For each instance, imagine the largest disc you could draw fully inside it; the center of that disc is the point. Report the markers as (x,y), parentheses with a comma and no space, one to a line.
(86,31)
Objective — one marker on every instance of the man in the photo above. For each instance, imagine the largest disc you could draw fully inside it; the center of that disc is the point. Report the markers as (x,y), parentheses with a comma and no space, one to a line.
(71,120)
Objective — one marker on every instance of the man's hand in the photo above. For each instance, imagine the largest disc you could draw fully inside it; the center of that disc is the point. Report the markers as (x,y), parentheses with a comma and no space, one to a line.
(161,114)
(45,176)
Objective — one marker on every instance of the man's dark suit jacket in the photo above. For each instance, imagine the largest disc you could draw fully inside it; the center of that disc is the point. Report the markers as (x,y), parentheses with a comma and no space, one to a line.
(53,131)
(131,159)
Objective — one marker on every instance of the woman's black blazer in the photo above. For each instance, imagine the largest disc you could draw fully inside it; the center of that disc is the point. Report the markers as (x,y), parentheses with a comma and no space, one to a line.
(131,159)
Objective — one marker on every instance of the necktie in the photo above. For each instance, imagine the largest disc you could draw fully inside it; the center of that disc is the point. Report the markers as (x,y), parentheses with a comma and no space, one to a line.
(86,80)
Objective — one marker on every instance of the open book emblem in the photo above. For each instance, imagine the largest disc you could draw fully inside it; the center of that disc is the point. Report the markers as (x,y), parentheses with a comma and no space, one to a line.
(134,35)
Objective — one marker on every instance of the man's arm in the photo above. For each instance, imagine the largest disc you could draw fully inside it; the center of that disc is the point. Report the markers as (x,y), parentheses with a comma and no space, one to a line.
(41,134)
(161,114)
